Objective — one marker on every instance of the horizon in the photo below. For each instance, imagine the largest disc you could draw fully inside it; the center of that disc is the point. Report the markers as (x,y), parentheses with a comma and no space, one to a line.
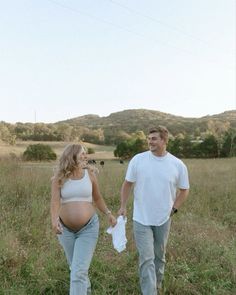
(90,114)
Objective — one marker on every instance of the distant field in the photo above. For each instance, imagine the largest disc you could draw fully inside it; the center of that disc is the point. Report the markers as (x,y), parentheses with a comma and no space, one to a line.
(101,151)
(201,254)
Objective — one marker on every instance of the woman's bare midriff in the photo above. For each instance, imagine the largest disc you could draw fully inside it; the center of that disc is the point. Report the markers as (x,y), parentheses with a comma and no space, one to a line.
(76,214)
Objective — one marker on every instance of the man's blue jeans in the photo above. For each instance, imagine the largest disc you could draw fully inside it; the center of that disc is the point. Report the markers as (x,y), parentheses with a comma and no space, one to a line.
(151,243)
(79,248)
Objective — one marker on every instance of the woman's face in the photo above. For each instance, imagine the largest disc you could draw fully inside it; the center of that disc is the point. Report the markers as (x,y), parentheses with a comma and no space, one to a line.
(82,156)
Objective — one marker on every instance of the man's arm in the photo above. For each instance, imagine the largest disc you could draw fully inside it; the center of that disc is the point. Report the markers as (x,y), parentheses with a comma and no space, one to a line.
(180,198)
(124,195)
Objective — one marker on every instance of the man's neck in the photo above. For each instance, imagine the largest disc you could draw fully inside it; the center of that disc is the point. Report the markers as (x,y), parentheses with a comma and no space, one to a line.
(160,153)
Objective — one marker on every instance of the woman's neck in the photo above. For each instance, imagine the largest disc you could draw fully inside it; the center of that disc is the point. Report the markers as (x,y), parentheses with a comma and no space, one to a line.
(78,172)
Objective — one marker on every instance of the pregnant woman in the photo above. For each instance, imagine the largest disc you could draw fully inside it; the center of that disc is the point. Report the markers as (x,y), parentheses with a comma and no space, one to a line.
(74,219)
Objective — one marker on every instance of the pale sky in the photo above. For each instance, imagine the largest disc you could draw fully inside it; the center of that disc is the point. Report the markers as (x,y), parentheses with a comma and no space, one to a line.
(60,59)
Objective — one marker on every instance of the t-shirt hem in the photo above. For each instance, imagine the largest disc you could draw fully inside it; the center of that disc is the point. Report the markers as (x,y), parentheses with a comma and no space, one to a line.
(152,223)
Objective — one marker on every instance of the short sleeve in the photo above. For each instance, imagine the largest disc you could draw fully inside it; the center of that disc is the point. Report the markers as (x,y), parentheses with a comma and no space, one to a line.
(131,173)
(183,181)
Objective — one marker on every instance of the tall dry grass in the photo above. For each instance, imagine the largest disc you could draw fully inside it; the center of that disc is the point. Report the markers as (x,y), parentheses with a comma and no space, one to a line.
(201,256)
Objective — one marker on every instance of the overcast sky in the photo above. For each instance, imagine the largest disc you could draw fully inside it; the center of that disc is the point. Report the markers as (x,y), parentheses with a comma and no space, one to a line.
(66,58)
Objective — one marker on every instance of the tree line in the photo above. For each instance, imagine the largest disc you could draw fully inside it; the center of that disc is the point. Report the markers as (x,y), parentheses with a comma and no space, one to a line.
(216,141)
(50,132)
(185,147)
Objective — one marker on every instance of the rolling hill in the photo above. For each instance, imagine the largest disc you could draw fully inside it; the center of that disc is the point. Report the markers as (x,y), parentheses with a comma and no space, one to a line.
(141,119)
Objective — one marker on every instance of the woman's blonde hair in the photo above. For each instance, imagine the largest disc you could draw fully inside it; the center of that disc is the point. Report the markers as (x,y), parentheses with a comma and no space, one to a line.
(69,161)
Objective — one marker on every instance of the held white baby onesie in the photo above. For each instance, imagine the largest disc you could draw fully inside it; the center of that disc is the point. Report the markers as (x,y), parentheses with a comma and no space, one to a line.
(118,234)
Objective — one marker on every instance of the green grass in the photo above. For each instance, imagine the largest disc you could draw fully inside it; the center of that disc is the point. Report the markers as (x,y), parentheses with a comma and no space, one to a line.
(201,254)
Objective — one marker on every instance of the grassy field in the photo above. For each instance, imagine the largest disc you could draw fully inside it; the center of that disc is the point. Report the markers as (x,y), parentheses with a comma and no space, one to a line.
(101,151)
(201,255)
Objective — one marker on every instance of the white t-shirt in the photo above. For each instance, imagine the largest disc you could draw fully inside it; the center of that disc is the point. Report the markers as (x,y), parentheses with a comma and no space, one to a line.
(156,180)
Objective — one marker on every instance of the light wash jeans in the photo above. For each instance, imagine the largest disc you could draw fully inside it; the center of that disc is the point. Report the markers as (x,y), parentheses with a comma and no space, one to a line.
(79,248)
(151,243)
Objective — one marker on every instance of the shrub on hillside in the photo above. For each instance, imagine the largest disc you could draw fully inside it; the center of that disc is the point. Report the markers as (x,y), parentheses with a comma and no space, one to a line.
(90,151)
(39,152)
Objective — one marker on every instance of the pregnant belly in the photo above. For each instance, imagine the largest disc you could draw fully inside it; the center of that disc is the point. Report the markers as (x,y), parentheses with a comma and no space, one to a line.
(75,215)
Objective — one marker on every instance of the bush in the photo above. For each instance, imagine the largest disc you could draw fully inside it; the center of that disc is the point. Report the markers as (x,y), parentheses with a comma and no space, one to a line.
(39,152)
(127,149)
(91,150)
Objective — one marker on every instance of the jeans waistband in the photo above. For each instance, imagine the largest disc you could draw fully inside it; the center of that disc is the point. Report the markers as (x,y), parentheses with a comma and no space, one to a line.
(87,223)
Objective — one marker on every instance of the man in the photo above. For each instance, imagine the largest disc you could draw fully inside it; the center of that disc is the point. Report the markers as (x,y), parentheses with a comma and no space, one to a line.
(160,187)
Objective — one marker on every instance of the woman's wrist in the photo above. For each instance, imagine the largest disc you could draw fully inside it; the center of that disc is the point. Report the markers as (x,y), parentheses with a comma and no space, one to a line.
(55,219)
(108,212)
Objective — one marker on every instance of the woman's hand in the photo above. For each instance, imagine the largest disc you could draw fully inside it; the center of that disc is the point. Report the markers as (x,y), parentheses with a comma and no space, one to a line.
(57,227)
(112,220)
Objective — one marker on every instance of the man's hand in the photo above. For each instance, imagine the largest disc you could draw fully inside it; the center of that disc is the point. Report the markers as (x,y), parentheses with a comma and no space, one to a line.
(122,211)
(173,211)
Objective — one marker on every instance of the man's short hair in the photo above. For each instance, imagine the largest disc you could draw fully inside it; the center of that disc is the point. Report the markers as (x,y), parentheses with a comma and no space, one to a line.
(162,130)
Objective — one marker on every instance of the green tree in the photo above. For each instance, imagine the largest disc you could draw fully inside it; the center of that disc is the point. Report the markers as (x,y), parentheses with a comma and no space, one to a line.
(127,149)
(24,131)
(121,136)
(6,134)
(93,136)
(209,147)
(228,148)
(123,150)
(64,131)
(138,146)
(139,135)
(39,152)
(187,147)
(196,149)
(175,146)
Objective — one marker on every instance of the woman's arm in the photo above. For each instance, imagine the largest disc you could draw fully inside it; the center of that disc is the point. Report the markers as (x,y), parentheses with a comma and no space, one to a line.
(55,206)
(99,201)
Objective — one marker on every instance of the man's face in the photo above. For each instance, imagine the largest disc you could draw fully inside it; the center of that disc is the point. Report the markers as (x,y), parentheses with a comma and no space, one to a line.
(155,143)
